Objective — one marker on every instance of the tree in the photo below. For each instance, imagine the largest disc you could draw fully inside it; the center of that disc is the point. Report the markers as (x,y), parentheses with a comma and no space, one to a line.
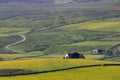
(109,53)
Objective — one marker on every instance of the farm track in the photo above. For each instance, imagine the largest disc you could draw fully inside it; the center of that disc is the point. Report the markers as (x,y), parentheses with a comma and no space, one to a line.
(56,70)
(22,40)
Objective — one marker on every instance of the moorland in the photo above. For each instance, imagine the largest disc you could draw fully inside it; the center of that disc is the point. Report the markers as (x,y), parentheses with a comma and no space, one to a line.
(52,28)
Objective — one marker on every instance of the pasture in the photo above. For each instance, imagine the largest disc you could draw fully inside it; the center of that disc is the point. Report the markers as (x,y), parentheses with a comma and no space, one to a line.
(53,30)
(59,41)
(97,73)
(56,38)
(47,63)
(59,26)
(82,47)
(94,25)
(10,35)
(13,31)
(30,55)
(43,64)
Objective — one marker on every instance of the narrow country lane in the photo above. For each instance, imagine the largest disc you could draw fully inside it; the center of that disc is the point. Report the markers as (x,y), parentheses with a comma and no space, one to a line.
(22,40)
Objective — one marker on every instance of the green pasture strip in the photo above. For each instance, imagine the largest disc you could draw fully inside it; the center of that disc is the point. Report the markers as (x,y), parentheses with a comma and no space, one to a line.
(34,54)
(94,73)
(85,47)
(13,31)
(58,37)
(110,24)
(62,1)
(47,63)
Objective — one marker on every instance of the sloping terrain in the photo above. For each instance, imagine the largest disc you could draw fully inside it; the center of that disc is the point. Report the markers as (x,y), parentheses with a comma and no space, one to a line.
(50,1)
(51,31)
(29,1)
(100,34)
(60,28)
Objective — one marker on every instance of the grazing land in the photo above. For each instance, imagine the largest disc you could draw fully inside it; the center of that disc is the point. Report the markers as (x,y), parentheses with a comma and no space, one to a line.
(52,28)
(57,63)
(49,26)
(55,29)
(13,31)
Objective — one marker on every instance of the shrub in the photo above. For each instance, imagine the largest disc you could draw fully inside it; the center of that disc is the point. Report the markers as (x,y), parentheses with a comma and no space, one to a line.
(13,72)
(1,59)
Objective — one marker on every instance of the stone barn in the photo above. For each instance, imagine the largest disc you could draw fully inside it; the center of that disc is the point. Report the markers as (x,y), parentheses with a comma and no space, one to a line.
(100,51)
(74,55)
(116,50)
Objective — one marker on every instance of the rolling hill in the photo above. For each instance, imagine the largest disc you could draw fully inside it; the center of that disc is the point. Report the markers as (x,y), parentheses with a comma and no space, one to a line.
(52,28)
(48,1)
(55,29)
(29,1)
(54,1)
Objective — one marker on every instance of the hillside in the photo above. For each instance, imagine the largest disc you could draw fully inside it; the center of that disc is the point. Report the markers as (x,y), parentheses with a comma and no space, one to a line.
(48,1)
(84,35)
(29,1)
(52,1)
(55,29)
(35,35)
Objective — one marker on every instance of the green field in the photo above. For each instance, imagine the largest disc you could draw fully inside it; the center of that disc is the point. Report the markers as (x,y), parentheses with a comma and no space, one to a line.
(61,41)
(97,73)
(51,31)
(53,25)
(10,35)
(62,1)
(45,63)
(38,55)
(95,25)
(82,47)
(13,31)
(65,39)
(56,29)
(57,63)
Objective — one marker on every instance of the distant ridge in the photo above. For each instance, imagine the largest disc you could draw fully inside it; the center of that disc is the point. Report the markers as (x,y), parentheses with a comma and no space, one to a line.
(50,1)
(87,0)
(29,1)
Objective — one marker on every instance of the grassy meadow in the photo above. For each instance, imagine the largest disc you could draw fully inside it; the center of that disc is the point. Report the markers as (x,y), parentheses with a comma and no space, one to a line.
(57,63)
(30,55)
(111,24)
(13,31)
(10,35)
(96,73)
(63,39)
(60,26)
(45,63)
(51,31)
(69,38)
(82,47)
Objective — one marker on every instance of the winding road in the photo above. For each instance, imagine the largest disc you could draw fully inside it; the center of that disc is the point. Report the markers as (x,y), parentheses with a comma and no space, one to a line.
(22,40)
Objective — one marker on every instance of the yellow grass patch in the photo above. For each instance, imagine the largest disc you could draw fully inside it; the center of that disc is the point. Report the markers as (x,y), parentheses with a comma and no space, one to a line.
(92,26)
(13,31)
(47,63)
(93,73)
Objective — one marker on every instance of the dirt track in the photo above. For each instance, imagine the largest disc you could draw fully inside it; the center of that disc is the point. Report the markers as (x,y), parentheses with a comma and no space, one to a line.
(22,40)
